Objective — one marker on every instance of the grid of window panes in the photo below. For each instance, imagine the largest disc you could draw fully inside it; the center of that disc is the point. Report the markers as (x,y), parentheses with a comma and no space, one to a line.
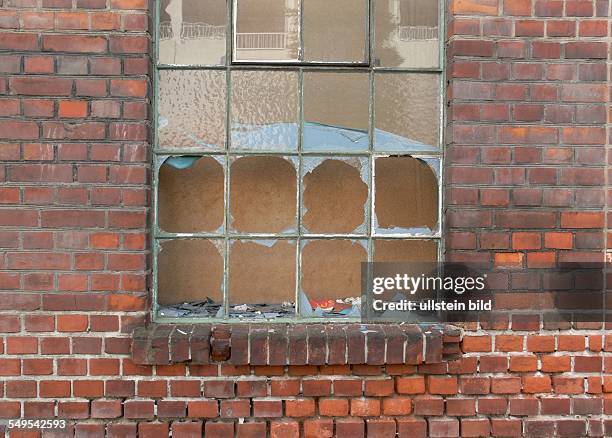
(295,139)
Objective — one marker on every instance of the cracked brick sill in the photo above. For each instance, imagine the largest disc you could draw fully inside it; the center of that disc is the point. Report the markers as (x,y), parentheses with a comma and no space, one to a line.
(296,344)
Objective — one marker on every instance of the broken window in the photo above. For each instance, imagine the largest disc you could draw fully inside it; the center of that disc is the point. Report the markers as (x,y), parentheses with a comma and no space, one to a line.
(335,194)
(405,250)
(262,278)
(405,195)
(331,277)
(190,195)
(286,155)
(263,195)
(190,277)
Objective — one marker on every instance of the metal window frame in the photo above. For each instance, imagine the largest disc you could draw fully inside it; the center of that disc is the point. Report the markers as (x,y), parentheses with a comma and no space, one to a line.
(159,155)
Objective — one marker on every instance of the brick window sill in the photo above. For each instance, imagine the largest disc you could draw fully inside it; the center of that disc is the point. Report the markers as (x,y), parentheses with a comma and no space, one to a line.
(293,344)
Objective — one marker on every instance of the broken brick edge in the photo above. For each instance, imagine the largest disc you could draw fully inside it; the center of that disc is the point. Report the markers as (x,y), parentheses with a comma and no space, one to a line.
(296,344)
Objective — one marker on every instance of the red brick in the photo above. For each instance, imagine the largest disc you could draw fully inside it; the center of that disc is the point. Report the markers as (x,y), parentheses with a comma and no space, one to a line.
(284,428)
(410,385)
(315,428)
(443,427)
(75,43)
(300,408)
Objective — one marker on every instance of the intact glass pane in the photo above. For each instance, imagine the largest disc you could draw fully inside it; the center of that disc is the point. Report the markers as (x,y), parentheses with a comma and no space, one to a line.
(407,112)
(267,30)
(407,33)
(336,111)
(264,110)
(335,31)
(191,109)
(192,32)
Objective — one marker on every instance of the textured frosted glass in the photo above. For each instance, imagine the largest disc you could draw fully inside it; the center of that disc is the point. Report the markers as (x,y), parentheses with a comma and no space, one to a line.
(407,33)
(192,32)
(407,112)
(264,110)
(191,109)
(336,111)
(334,31)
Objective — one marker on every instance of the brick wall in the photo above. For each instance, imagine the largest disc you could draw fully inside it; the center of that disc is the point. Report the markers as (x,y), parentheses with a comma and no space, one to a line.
(526,187)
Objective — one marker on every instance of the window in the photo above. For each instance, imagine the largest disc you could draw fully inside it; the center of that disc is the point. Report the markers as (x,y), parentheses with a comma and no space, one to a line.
(295,139)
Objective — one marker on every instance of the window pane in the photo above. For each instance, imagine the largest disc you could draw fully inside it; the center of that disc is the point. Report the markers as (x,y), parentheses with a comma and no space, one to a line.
(335,195)
(331,271)
(396,250)
(264,110)
(405,196)
(192,32)
(336,111)
(186,100)
(263,195)
(190,194)
(407,112)
(335,31)
(262,276)
(407,33)
(267,30)
(190,271)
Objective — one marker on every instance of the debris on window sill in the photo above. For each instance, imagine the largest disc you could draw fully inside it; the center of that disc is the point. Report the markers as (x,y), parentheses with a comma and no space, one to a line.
(210,309)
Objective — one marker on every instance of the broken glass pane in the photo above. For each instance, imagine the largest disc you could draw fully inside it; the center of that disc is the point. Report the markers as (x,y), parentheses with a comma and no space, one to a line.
(187,98)
(263,194)
(335,195)
(407,33)
(331,277)
(407,112)
(262,278)
(405,250)
(190,194)
(264,110)
(267,30)
(336,114)
(405,196)
(190,277)
(192,32)
(334,31)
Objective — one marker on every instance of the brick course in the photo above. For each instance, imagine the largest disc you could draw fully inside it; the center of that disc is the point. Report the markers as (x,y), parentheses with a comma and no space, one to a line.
(526,169)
